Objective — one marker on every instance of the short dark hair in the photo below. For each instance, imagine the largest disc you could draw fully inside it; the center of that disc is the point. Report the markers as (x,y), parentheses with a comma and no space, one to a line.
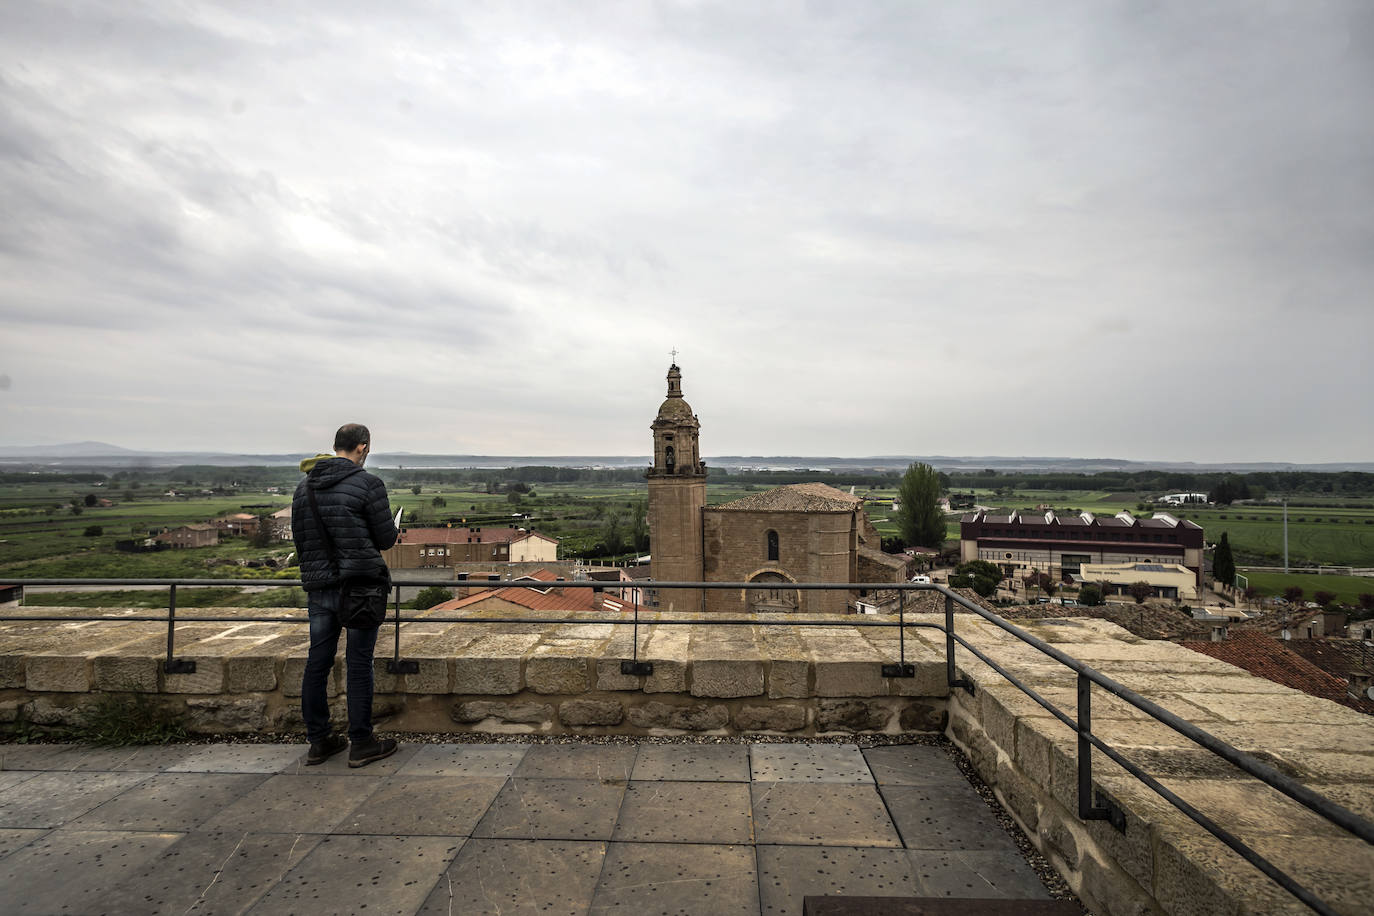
(350,436)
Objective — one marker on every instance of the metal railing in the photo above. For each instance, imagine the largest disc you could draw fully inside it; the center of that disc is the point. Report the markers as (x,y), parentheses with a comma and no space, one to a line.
(1091,806)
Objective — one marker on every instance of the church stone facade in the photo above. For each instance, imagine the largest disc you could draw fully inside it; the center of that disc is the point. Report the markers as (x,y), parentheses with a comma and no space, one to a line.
(805,532)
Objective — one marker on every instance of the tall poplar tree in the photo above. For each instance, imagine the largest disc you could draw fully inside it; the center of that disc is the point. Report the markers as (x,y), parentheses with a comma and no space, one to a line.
(920,519)
(1223,564)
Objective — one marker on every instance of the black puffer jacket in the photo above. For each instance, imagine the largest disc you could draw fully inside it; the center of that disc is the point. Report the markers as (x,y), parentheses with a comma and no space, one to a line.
(353,504)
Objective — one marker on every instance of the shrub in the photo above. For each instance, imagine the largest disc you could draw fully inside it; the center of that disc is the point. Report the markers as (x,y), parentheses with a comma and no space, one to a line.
(93,531)
(429,596)
(119,719)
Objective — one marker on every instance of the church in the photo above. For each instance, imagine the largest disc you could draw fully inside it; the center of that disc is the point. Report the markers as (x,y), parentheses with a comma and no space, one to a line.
(806,532)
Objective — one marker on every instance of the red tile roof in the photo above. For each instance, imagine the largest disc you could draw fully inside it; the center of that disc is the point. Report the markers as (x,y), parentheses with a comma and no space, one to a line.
(467,535)
(542,599)
(1264,656)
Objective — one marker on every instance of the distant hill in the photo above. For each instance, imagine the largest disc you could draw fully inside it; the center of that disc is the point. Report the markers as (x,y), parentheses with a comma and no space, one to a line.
(102,454)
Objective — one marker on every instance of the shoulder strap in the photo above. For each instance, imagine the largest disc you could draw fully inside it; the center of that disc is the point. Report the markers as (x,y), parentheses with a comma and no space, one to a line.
(324,529)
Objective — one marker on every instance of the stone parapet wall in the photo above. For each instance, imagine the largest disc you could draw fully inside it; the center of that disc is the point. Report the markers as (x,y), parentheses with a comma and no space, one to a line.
(1163,861)
(559,676)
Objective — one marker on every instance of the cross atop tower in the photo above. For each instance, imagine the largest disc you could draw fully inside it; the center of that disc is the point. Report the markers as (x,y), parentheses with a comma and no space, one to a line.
(673,353)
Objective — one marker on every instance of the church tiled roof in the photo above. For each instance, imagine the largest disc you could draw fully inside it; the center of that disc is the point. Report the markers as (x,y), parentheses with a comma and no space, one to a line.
(796,497)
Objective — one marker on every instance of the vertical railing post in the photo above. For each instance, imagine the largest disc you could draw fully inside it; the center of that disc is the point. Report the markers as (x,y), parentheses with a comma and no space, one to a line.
(950,671)
(171,624)
(1085,749)
(633,667)
(172,664)
(394,664)
(901,669)
(1090,808)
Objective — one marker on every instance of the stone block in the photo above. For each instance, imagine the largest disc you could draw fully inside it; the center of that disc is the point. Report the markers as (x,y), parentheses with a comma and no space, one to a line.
(851,716)
(557,674)
(789,679)
(293,670)
(45,711)
(1057,834)
(999,723)
(487,675)
(435,676)
(670,676)
(850,679)
(519,713)
(9,711)
(931,680)
(57,674)
(779,717)
(250,674)
(727,677)
(1018,795)
(11,671)
(980,751)
(222,714)
(1111,892)
(1185,875)
(125,672)
(575,713)
(694,717)
(924,717)
(207,678)
(608,676)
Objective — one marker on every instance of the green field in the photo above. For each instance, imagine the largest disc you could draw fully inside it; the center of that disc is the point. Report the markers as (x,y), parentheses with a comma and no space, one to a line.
(1347,588)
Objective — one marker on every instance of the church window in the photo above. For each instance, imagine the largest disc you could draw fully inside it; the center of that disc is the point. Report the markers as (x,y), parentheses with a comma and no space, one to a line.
(773,545)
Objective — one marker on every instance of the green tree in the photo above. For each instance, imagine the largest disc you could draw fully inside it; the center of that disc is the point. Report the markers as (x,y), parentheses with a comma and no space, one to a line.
(1090,595)
(429,596)
(438,502)
(262,537)
(1140,591)
(415,489)
(979,575)
(1223,563)
(639,528)
(93,531)
(920,520)
(90,499)
(612,534)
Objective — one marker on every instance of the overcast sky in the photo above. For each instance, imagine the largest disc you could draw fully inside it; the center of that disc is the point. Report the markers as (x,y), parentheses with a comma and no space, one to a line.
(1138,230)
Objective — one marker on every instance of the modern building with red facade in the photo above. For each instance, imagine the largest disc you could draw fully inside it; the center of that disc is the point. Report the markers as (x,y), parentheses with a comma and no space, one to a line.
(1060,545)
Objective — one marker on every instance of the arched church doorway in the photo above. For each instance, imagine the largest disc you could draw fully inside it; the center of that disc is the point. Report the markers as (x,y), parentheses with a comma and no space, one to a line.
(772,600)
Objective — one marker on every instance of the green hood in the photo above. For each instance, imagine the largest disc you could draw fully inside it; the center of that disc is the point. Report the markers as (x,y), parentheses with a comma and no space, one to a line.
(309,463)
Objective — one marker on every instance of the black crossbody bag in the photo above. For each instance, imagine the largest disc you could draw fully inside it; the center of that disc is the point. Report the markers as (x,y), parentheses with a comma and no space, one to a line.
(362,599)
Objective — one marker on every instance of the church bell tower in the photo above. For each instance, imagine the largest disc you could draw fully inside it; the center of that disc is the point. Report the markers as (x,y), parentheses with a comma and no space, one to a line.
(677,495)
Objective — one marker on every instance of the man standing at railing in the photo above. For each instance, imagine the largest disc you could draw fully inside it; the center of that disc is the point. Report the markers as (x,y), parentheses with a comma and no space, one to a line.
(352,505)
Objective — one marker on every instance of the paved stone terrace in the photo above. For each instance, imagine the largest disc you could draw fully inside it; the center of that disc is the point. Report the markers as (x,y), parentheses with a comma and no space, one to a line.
(495,828)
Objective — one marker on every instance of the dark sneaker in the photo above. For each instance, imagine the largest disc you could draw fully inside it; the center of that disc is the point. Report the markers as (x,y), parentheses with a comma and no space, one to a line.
(371,750)
(322,750)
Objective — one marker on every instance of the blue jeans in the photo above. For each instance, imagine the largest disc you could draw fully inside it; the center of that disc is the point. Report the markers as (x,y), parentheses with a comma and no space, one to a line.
(324,642)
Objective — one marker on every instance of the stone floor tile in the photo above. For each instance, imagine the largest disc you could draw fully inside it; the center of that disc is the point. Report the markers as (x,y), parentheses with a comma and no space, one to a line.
(17,837)
(789,873)
(976,873)
(294,804)
(518,878)
(10,779)
(362,874)
(838,763)
(70,871)
(666,878)
(53,799)
(338,764)
(35,756)
(692,763)
(240,758)
(150,758)
(818,814)
(479,760)
(944,817)
(913,765)
(685,812)
(170,801)
(210,872)
(424,806)
(553,809)
(606,763)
